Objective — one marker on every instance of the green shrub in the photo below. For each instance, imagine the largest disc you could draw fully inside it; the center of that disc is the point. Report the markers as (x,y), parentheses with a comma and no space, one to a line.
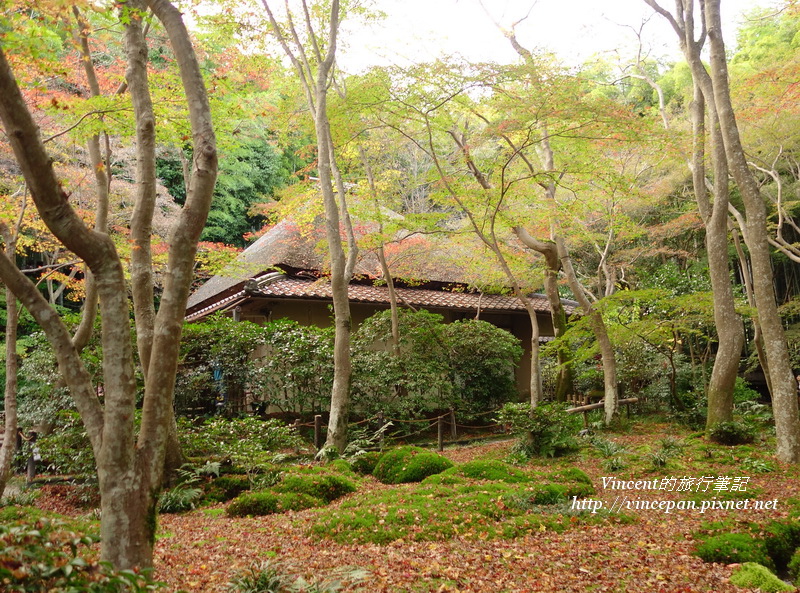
(731,548)
(467,365)
(326,487)
(365,462)
(245,441)
(179,499)
(751,575)
(67,449)
(732,433)
(409,464)
(44,557)
(546,431)
(742,392)
(269,503)
(781,541)
(225,488)
(794,567)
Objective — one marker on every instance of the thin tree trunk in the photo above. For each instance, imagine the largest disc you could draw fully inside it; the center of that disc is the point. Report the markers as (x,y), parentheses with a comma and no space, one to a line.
(10,399)
(315,85)
(758,336)
(600,331)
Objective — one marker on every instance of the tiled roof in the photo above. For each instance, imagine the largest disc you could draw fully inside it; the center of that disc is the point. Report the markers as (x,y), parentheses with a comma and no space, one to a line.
(310,289)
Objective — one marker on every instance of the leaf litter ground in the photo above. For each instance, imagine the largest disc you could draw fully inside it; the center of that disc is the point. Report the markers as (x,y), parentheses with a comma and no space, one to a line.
(202,550)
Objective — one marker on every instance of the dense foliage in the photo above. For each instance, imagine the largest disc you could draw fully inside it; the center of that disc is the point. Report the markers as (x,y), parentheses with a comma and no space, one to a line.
(545,431)
(47,558)
(467,365)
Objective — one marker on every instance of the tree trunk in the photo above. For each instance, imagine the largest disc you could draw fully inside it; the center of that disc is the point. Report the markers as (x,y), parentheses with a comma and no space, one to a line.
(784,385)
(564,382)
(340,396)
(730,329)
(716,92)
(747,279)
(611,395)
(129,470)
(8,448)
(315,86)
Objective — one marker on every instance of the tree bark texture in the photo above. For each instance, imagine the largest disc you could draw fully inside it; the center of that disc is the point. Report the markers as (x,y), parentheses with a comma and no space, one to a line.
(9,446)
(716,92)
(784,385)
(730,328)
(129,470)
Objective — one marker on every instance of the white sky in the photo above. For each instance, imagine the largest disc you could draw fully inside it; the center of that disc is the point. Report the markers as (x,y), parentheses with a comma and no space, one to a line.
(416,30)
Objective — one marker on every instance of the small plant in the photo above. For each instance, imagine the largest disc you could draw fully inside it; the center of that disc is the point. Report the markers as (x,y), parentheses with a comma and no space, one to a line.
(263,578)
(186,494)
(23,498)
(44,557)
(608,448)
(615,464)
(659,459)
(751,575)
(409,464)
(732,433)
(544,431)
(672,445)
(363,440)
(757,466)
(269,577)
(732,548)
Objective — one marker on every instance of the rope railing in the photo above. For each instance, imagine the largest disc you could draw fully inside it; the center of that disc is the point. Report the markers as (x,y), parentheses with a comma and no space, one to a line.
(441,421)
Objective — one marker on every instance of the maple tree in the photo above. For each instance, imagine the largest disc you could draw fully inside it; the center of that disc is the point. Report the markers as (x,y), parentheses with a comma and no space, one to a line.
(129,472)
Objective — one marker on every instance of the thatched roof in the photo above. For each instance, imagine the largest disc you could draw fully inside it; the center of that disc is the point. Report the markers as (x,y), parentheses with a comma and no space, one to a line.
(427,271)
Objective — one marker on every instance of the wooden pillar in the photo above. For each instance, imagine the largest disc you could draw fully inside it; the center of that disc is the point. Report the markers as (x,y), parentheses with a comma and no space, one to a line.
(318,432)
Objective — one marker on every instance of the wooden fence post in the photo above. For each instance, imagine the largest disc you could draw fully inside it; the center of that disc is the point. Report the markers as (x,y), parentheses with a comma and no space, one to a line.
(440,426)
(318,432)
(453,430)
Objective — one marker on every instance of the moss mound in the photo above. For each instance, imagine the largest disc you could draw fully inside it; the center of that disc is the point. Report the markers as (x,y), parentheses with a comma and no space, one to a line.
(732,548)
(225,488)
(409,464)
(794,568)
(493,470)
(754,576)
(269,502)
(365,463)
(327,487)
